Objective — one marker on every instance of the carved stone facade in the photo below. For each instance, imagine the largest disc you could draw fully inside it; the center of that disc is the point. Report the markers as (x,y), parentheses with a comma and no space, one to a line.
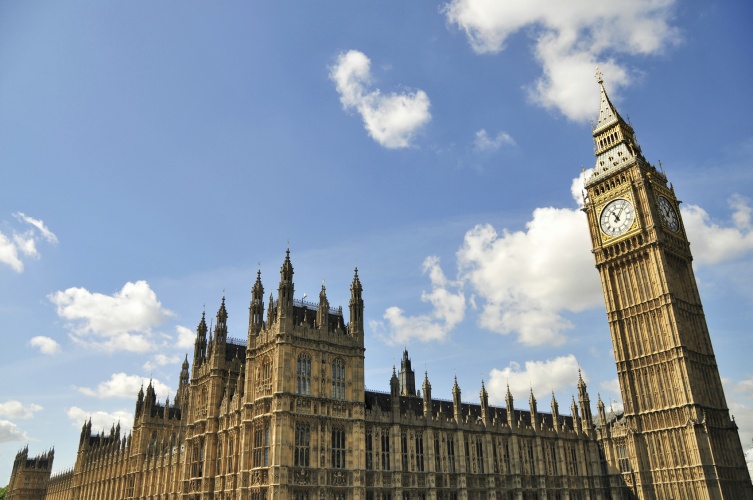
(283,414)
(676,438)
(29,477)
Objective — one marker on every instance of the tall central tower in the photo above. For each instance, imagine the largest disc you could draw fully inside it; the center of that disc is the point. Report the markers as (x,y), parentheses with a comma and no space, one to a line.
(676,439)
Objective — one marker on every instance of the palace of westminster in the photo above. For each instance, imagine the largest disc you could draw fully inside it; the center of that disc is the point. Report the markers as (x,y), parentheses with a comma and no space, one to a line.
(283,414)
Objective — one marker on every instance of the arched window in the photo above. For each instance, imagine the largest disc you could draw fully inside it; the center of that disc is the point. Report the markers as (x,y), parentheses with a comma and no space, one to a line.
(303,375)
(338,379)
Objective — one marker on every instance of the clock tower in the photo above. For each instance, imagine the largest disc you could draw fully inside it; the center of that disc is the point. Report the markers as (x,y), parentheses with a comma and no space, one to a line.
(676,438)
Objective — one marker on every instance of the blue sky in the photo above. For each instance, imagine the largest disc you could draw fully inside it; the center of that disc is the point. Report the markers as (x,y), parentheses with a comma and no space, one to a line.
(153,156)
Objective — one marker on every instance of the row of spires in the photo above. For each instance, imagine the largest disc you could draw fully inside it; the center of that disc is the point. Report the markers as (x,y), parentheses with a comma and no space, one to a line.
(405,386)
(280,310)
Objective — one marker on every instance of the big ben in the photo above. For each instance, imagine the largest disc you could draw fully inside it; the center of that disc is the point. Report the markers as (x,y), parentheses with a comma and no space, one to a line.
(676,438)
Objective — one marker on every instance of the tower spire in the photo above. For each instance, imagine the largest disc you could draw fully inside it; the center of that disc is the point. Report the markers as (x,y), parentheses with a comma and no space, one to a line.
(615,144)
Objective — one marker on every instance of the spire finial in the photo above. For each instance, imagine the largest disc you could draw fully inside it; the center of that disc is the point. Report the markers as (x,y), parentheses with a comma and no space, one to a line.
(599,76)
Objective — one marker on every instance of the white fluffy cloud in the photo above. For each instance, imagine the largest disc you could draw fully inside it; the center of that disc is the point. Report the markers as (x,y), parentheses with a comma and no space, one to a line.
(391,120)
(13,247)
(484,143)
(541,376)
(712,243)
(101,420)
(527,279)
(121,321)
(46,345)
(448,311)
(125,386)
(571,38)
(16,409)
(526,282)
(186,337)
(10,432)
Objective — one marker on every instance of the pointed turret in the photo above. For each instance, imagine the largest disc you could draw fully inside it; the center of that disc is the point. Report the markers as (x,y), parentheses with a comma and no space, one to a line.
(484,396)
(555,413)
(356,305)
(200,346)
(271,310)
(322,313)
(456,402)
(139,402)
(181,397)
(394,384)
(427,395)
(395,394)
(285,290)
(602,411)
(407,376)
(256,308)
(509,402)
(534,410)
(585,403)
(577,427)
(220,329)
(614,139)
(150,399)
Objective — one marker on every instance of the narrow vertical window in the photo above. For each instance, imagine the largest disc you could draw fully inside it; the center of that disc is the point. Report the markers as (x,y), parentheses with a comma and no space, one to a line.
(338,448)
(338,379)
(303,375)
(450,454)
(266,444)
(369,450)
(302,444)
(404,450)
(385,449)
(437,457)
(479,455)
(419,451)
(495,457)
(261,445)
(264,378)
(467,449)
(219,459)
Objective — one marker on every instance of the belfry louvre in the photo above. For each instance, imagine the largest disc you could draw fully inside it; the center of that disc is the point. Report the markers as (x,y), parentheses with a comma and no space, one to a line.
(284,414)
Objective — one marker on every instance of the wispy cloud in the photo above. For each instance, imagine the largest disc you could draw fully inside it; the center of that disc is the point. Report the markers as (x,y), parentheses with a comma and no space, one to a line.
(23,244)
(448,303)
(485,143)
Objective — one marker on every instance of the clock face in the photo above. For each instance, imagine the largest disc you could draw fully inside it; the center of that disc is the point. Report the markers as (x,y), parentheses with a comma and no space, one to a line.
(668,213)
(617,217)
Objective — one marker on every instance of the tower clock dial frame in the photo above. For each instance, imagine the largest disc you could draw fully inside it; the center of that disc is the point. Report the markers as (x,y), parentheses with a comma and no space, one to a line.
(668,213)
(617,217)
